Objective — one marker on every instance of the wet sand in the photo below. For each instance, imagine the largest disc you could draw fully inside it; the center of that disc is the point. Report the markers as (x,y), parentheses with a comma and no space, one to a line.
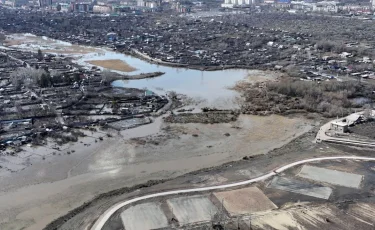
(113,64)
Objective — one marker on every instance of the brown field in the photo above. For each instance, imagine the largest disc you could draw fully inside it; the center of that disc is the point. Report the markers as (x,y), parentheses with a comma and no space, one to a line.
(74,49)
(113,64)
(245,201)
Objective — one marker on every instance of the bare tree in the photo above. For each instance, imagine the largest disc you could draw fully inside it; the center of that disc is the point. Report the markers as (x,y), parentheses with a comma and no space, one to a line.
(2,37)
(40,55)
(368,111)
(26,76)
(19,109)
(108,76)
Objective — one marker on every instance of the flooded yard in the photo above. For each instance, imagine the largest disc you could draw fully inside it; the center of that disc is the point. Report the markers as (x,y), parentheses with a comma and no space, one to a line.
(108,160)
(211,87)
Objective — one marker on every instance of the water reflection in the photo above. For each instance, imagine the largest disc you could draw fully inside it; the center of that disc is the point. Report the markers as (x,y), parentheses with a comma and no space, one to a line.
(209,85)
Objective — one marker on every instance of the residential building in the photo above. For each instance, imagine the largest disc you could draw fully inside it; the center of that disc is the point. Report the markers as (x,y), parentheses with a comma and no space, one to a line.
(65,7)
(152,4)
(16,3)
(269,2)
(339,127)
(283,4)
(45,3)
(302,6)
(82,6)
(326,6)
(102,9)
(112,36)
(237,3)
(354,8)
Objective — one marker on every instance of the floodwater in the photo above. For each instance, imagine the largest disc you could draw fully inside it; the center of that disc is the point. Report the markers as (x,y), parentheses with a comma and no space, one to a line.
(48,188)
(196,83)
(212,87)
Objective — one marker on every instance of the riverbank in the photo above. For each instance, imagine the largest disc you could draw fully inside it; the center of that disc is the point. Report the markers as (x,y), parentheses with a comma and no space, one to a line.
(113,77)
(140,76)
(140,55)
(55,46)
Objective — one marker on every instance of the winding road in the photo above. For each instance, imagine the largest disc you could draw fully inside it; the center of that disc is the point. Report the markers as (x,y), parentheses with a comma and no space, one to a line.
(107,214)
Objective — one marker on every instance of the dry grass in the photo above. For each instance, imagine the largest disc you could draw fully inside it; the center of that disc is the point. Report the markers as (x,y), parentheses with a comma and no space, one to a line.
(70,50)
(113,64)
(245,201)
(328,98)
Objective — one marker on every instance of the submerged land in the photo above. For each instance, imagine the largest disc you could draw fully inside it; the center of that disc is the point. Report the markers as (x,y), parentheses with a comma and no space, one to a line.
(87,123)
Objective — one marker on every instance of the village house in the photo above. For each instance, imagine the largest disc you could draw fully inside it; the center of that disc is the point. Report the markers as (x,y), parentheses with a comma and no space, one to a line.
(326,6)
(339,127)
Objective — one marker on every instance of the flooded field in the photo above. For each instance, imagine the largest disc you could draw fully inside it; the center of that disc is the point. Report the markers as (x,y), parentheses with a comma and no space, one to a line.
(209,87)
(62,180)
(33,43)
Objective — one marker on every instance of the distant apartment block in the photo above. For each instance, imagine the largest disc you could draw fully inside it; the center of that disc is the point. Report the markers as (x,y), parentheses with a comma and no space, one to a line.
(234,3)
(45,3)
(149,3)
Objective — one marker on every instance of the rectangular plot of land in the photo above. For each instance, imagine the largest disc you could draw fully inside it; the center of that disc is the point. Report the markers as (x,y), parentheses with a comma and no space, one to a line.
(144,217)
(331,176)
(301,187)
(192,209)
(245,201)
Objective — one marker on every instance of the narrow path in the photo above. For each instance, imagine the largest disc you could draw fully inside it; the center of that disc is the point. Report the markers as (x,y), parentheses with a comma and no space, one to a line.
(107,214)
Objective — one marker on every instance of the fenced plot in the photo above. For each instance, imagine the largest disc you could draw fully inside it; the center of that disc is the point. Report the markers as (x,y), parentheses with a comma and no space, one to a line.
(192,209)
(331,176)
(144,217)
(245,201)
(301,187)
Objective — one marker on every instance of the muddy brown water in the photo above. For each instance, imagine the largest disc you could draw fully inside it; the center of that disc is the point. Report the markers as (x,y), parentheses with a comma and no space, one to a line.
(47,189)
(210,86)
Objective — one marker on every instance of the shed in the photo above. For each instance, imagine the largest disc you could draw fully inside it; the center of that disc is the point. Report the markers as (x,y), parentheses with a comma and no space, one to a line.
(17,143)
(353,119)
(112,36)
